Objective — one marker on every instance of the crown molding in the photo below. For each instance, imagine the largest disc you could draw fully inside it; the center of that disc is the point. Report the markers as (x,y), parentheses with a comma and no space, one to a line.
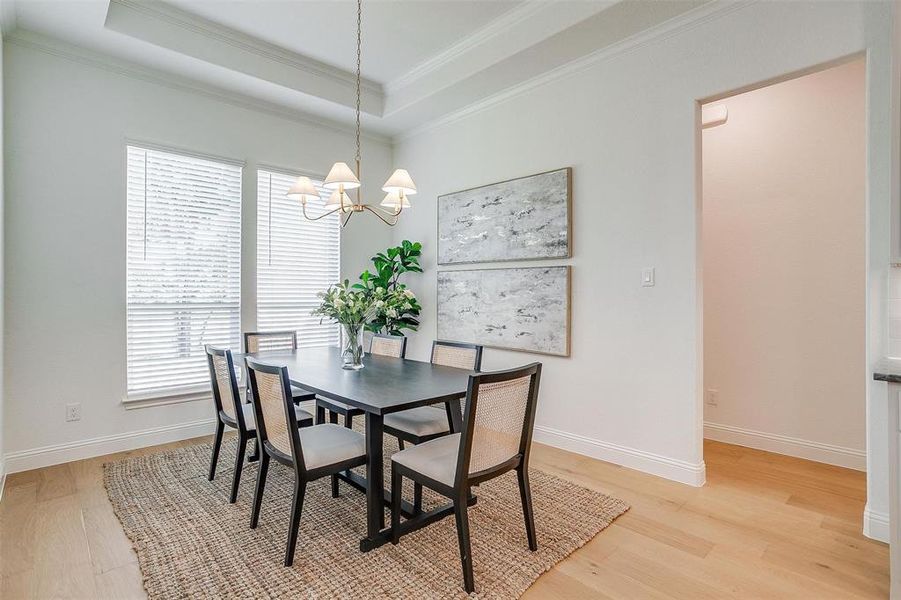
(8,17)
(54,47)
(492,29)
(675,26)
(200,26)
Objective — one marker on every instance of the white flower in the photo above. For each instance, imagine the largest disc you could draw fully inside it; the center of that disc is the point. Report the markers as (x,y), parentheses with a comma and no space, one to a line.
(339,303)
(392,313)
(409,293)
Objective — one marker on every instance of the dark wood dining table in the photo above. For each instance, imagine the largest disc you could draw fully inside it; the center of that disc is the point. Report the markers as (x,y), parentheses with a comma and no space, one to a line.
(385,385)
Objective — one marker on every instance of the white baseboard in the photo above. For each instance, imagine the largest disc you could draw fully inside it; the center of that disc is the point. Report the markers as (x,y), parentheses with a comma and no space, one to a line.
(655,464)
(46,456)
(875,525)
(782,444)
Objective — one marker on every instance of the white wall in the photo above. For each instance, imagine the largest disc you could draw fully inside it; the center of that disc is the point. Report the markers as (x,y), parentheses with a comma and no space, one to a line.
(67,124)
(784,247)
(2,280)
(626,123)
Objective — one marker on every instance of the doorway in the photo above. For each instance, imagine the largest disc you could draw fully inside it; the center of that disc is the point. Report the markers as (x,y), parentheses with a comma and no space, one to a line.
(783,237)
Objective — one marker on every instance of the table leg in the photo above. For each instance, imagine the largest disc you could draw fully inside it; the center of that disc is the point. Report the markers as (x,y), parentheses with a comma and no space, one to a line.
(456,415)
(375,488)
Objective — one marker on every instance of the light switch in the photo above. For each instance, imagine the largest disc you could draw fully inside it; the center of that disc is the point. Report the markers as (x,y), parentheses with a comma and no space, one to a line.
(647,277)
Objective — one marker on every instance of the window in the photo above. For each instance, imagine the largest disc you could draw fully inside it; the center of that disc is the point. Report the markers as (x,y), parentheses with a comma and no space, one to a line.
(183,269)
(296,259)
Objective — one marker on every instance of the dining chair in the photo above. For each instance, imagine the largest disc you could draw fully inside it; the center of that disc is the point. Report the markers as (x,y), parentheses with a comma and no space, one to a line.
(496,438)
(313,452)
(418,425)
(276,341)
(394,346)
(232,411)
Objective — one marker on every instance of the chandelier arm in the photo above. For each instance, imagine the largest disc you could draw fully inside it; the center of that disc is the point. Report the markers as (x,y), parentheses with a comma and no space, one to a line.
(322,216)
(378,213)
(392,214)
(347,219)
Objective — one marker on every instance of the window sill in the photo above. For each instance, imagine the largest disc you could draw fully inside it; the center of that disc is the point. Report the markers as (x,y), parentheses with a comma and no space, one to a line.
(149,401)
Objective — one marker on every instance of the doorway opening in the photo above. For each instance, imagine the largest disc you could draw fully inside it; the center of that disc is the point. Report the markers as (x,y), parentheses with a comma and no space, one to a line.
(783,257)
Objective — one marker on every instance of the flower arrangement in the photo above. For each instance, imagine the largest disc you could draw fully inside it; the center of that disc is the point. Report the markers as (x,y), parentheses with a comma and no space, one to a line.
(347,306)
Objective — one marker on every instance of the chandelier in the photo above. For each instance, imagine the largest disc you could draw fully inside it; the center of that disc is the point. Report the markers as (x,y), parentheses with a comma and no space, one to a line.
(342,178)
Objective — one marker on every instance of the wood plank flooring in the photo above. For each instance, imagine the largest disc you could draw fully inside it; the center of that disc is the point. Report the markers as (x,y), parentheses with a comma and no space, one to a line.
(764,526)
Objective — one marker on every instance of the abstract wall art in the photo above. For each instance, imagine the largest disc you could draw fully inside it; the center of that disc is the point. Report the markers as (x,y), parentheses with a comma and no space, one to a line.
(526,308)
(519,219)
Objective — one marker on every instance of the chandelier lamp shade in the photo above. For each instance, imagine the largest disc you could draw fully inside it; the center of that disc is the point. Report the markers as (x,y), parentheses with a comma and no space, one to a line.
(342,177)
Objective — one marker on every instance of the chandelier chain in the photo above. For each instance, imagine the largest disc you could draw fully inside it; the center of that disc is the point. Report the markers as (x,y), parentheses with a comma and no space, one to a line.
(359,60)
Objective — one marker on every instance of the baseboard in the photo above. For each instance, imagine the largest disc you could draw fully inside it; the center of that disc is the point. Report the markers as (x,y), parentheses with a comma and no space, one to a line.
(875,525)
(46,456)
(782,444)
(655,464)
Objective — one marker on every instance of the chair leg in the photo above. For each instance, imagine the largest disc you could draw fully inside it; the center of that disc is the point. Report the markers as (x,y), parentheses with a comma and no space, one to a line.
(334,486)
(525,493)
(258,495)
(462,515)
(349,421)
(400,443)
(255,455)
(300,488)
(217,443)
(239,467)
(320,414)
(397,481)
(417,498)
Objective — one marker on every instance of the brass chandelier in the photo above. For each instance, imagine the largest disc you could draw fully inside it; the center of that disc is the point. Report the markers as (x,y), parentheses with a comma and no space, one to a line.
(341,178)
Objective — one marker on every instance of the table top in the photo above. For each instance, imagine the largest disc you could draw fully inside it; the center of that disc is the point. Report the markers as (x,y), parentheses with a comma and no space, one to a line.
(383,386)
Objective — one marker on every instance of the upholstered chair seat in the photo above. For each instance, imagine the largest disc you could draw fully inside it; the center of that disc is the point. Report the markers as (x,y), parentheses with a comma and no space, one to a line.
(421,422)
(328,444)
(435,459)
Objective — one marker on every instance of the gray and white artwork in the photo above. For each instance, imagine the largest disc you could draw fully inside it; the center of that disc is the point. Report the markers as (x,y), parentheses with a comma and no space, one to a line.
(518,309)
(525,218)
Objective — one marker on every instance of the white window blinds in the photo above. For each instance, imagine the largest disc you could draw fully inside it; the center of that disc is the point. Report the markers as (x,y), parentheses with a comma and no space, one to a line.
(183,269)
(296,259)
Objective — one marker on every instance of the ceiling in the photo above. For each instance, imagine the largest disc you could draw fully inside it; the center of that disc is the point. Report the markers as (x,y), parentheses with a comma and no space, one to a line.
(398,35)
(422,59)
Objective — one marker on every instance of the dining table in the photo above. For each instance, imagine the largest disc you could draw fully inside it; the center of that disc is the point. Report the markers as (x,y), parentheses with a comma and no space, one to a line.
(385,385)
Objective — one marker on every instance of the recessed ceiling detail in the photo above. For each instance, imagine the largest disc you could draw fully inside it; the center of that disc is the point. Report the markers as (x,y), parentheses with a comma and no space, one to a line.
(422,60)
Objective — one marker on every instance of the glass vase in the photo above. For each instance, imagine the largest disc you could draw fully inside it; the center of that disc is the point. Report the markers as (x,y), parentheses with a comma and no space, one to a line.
(352,345)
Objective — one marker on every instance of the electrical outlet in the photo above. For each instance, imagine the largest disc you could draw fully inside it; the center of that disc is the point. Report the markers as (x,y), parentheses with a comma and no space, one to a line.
(713,397)
(73,411)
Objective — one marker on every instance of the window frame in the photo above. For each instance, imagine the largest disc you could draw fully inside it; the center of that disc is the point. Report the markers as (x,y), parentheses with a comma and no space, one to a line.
(191,392)
(260,169)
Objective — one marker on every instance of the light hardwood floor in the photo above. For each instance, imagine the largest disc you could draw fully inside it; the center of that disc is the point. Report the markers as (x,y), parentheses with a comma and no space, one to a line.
(764,526)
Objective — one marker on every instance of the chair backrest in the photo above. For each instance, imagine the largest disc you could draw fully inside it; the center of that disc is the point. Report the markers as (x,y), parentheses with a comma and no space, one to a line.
(274,410)
(457,354)
(498,422)
(394,346)
(225,384)
(266,341)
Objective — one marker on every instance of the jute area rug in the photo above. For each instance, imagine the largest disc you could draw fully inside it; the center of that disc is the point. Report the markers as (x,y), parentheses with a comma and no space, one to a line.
(191,543)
